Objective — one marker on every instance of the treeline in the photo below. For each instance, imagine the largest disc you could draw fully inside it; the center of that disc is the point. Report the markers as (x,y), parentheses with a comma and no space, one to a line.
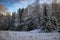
(15,22)
(30,18)
(5,22)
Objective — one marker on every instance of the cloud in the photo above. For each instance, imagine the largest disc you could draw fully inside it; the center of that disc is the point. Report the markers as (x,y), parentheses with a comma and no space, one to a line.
(15,6)
(22,0)
(46,1)
(20,4)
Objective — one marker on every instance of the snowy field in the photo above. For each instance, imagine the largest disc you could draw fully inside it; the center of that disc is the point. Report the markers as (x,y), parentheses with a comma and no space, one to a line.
(15,35)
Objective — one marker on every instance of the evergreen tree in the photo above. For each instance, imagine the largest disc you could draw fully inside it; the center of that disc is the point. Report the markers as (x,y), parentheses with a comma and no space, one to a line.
(49,23)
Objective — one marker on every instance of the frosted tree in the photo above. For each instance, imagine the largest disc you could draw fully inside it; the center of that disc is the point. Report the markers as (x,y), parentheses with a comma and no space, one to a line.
(4,22)
(19,20)
(13,21)
(36,13)
(49,21)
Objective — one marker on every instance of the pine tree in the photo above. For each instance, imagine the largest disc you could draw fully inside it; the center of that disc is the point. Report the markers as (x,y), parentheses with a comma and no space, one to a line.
(20,20)
(49,23)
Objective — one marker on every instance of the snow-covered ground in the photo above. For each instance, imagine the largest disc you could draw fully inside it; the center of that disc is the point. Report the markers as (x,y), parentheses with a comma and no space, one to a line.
(15,35)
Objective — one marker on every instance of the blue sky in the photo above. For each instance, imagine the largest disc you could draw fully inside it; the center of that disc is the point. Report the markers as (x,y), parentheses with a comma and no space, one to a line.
(14,5)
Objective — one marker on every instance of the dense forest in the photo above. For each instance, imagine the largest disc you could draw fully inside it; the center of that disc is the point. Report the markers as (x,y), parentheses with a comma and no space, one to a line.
(34,16)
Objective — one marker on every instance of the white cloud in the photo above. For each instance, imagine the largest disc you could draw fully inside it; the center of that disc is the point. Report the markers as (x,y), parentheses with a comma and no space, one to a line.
(21,4)
(46,1)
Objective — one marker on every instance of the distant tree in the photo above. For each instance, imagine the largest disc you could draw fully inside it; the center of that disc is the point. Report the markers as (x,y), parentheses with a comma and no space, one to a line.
(1,24)
(20,21)
(4,22)
(36,13)
(20,13)
(13,21)
(7,21)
